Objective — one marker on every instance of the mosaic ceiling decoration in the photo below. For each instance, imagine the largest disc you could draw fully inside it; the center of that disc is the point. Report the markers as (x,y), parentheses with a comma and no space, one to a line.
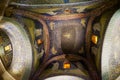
(59,39)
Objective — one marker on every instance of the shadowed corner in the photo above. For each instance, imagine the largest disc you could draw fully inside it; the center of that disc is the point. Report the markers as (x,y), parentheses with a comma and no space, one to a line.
(66,1)
(3,5)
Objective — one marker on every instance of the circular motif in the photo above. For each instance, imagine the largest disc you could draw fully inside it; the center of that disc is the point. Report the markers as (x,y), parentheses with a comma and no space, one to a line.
(65,77)
(111,49)
(21,64)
